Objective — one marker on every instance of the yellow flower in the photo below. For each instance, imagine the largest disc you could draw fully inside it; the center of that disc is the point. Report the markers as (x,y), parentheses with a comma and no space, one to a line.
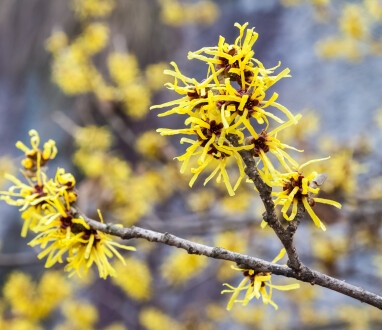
(239,203)
(154,75)
(179,267)
(344,170)
(297,188)
(134,279)
(79,315)
(200,201)
(94,247)
(137,100)
(32,196)
(216,109)
(374,9)
(92,8)
(47,208)
(35,156)
(266,142)
(153,319)
(255,284)
(93,137)
(32,300)
(329,249)
(56,42)
(93,38)
(149,145)
(239,65)
(72,71)
(353,22)
(123,68)
(175,13)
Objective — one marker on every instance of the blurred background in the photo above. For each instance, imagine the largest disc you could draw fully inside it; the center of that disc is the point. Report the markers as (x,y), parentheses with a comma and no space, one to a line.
(85,72)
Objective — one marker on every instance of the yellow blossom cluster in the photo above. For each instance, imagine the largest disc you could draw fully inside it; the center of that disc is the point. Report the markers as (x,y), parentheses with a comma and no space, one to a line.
(79,315)
(231,100)
(92,8)
(234,100)
(48,209)
(344,170)
(175,13)
(150,146)
(34,301)
(179,267)
(321,7)
(74,71)
(298,188)
(329,249)
(153,319)
(114,175)
(355,39)
(134,279)
(255,284)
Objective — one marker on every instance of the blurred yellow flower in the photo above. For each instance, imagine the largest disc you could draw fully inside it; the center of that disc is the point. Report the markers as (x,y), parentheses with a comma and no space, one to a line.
(93,38)
(154,75)
(150,145)
(154,319)
(353,22)
(80,315)
(137,100)
(201,201)
(35,301)
(176,13)
(179,267)
(339,47)
(134,279)
(123,68)
(92,8)
(93,138)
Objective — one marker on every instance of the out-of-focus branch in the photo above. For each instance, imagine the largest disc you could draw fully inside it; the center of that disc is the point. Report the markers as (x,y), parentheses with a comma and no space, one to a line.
(304,274)
(284,235)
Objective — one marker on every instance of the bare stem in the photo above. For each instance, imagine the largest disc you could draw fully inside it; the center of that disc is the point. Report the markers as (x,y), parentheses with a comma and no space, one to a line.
(305,274)
(284,235)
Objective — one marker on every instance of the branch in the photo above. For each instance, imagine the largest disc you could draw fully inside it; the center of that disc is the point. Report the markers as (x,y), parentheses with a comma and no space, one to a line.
(305,274)
(285,236)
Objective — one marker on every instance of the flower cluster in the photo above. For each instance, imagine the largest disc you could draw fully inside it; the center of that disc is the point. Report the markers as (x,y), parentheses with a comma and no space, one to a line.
(114,174)
(176,13)
(35,301)
(298,188)
(233,100)
(216,109)
(74,71)
(255,284)
(48,209)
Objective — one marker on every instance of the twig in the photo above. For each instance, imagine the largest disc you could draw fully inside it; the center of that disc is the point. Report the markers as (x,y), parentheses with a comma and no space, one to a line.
(285,236)
(304,274)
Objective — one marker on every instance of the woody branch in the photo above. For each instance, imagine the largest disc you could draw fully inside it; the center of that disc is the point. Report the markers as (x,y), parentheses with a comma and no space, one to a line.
(269,216)
(304,274)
